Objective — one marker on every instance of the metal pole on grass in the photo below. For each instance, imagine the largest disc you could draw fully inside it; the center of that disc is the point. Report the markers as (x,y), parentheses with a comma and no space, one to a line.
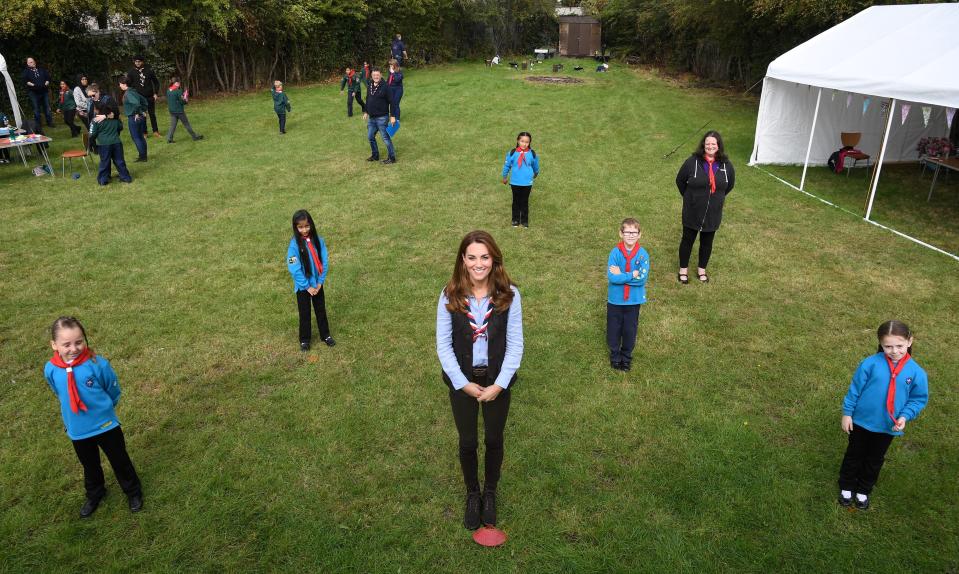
(882,153)
(812,132)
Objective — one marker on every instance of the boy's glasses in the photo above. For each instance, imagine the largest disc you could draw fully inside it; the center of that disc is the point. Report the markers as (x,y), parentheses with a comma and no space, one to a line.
(630,233)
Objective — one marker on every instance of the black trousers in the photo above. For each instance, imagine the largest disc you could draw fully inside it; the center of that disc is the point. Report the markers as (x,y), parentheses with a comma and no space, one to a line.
(686,246)
(521,202)
(282,122)
(863,460)
(622,322)
(68,118)
(349,104)
(152,109)
(465,415)
(303,300)
(114,446)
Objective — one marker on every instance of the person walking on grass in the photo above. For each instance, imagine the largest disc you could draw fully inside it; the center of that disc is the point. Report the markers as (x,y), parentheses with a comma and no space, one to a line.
(627,270)
(522,167)
(176,99)
(281,104)
(378,111)
(350,82)
(704,181)
(135,109)
(887,390)
(67,105)
(145,82)
(105,131)
(479,342)
(37,82)
(398,49)
(395,82)
(87,389)
(308,262)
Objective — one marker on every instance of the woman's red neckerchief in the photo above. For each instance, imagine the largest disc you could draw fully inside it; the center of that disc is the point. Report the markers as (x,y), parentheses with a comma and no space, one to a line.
(712,175)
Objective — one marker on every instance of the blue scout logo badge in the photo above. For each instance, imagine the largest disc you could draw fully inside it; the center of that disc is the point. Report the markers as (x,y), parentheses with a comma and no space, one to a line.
(89,382)
(291,260)
(909,381)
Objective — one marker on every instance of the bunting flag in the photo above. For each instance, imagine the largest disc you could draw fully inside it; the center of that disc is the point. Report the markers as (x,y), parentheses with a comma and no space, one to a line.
(950,113)
(926,112)
(848,99)
(884,108)
(904,112)
(865,105)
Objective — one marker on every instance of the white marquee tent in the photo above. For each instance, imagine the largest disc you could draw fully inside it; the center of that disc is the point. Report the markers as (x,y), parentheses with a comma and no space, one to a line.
(888,72)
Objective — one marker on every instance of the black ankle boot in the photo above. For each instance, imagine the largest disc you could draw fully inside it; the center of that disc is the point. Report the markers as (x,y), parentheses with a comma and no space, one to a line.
(489,507)
(471,517)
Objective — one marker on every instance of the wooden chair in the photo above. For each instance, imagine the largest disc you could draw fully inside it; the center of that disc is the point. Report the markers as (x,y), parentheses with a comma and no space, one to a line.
(851,139)
(74,153)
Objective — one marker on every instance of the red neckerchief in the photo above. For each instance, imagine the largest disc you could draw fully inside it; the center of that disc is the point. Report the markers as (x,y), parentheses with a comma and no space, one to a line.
(522,154)
(62,94)
(366,70)
(76,405)
(891,393)
(629,257)
(174,86)
(712,175)
(390,81)
(349,78)
(317,264)
(479,330)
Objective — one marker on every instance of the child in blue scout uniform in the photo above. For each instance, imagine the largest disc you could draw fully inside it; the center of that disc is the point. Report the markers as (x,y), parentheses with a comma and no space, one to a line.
(87,389)
(352,81)
(522,166)
(887,390)
(281,104)
(308,263)
(395,82)
(135,108)
(105,129)
(627,272)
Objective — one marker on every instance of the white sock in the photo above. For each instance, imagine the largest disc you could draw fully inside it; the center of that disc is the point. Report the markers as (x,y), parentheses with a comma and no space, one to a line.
(846,493)
(861,497)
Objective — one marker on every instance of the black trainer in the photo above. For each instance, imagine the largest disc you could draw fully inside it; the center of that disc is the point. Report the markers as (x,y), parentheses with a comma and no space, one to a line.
(625,366)
(862,504)
(489,507)
(845,502)
(389,160)
(471,516)
(304,345)
(373,158)
(515,223)
(135,502)
(89,507)
(198,138)
(329,341)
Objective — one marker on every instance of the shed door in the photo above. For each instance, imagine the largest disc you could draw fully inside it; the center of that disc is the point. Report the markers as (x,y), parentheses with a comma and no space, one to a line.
(577,40)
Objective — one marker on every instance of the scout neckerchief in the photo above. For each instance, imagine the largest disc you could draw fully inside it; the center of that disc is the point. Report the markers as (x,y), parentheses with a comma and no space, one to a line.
(891,393)
(390,81)
(76,405)
(317,265)
(712,175)
(349,78)
(522,154)
(629,258)
(479,330)
(62,94)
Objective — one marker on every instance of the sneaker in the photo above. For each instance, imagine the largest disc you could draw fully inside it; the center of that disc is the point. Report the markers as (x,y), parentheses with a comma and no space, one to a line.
(198,138)
(135,502)
(389,160)
(862,504)
(471,516)
(304,345)
(157,135)
(140,160)
(515,223)
(625,366)
(169,141)
(373,158)
(329,341)
(489,507)
(845,501)
(616,365)
(526,224)
(89,507)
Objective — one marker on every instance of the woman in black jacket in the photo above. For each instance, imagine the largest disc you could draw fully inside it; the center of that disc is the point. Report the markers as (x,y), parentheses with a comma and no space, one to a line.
(704,181)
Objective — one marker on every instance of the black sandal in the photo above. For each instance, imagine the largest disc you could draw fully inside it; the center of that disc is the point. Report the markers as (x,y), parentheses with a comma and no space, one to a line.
(703,278)
(683,278)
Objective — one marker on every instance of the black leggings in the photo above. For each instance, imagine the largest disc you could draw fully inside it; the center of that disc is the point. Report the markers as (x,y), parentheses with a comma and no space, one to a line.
(114,446)
(863,460)
(686,246)
(521,202)
(466,414)
(303,300)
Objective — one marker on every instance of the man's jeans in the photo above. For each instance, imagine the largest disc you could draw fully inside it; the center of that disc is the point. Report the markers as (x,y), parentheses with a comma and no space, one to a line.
(379,124)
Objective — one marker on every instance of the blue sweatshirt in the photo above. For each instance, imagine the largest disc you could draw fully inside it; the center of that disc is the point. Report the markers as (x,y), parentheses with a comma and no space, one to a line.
(99,391)
(521,175)
(866,400)
(300,281)
(617,282)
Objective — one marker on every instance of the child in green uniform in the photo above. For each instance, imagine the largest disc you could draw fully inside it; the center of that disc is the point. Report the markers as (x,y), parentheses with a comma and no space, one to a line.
(106,128)
(67,106)
(135,108)
(281,104)
(175,100)
(351,81)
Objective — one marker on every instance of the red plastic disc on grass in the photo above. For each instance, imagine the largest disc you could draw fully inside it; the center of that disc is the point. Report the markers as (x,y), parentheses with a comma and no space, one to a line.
(489,536)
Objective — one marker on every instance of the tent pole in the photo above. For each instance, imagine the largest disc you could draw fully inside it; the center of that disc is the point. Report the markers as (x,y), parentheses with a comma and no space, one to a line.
(882,153)
(812,132)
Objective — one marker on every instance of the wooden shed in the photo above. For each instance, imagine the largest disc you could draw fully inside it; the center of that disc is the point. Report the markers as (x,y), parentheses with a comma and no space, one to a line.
(579,36)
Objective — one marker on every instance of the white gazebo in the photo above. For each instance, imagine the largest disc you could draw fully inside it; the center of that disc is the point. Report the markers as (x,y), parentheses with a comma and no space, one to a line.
(890,73)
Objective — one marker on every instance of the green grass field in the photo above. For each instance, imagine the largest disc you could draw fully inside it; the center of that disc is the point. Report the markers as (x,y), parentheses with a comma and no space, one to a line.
(719,452)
